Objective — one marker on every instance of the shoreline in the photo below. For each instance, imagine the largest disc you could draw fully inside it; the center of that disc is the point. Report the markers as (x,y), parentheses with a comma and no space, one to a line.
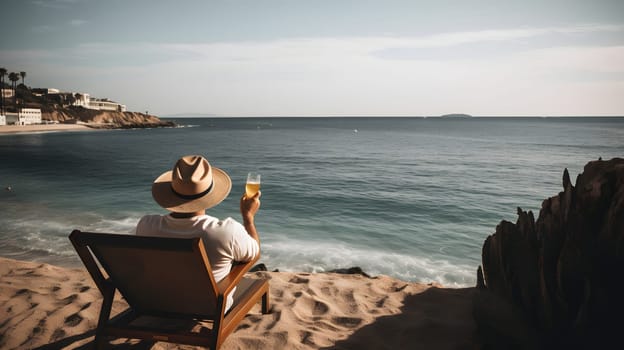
(55,306)
(36,128)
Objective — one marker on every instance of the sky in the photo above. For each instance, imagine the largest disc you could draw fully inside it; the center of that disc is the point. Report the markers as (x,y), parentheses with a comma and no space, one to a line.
(325,57)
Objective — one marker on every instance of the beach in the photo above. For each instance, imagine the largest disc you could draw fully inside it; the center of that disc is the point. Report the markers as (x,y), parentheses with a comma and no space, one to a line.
(11,129)
(48,305)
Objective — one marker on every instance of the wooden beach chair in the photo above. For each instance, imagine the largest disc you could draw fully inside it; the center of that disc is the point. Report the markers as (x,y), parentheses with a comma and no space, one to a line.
(168,280)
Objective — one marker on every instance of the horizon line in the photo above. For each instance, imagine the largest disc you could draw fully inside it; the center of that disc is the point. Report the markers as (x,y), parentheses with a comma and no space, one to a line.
(208,115)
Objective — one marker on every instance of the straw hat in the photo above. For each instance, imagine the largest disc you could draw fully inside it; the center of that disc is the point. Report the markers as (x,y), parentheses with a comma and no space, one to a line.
(191,186)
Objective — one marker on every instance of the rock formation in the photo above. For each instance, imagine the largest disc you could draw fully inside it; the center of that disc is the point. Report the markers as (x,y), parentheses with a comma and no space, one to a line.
(104,119)
(558,282)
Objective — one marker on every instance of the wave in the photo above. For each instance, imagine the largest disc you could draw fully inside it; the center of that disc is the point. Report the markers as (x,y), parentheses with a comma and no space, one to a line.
(296,255)
(45,237)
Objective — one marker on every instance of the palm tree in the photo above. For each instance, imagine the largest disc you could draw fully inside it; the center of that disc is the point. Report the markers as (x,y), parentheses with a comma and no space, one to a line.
(3,72)
(23,75)
(14,78)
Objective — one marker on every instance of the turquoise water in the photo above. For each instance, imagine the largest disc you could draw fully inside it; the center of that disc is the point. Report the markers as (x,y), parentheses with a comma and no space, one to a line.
(413,198)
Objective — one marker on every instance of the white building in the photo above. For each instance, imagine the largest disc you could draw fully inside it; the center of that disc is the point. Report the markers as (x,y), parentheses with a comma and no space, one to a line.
(28,116)
(25,116)
(85,100)
(82,99)
(11,118)
(101,104)
(106,105)
(44,91)
(2,119)
(7,93)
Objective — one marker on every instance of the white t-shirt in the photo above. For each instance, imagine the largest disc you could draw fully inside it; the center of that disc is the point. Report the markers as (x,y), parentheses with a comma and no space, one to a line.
(225,241)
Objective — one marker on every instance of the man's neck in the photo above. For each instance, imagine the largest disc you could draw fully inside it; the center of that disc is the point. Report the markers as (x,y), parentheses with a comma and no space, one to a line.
(187,215)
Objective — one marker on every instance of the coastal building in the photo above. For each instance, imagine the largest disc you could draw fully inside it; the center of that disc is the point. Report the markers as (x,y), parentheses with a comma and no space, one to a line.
(7,93)
(101,104)
(25,116)
(11,118)
(81,99)
(106,105)
(28,116)
(44,91)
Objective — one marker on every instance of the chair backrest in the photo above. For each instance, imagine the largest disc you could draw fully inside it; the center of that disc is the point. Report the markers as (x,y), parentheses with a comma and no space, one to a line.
(156,275)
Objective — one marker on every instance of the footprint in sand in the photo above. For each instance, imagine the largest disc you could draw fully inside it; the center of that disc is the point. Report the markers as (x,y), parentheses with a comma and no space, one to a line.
(381,302)
(277,315)
(22,291)
(58,333)
(40,327)
(306,338)
(349,298)
(299,280)
(349,322)
(278,293)
(320,308)
(399,288)
(73,320)
(68,300)
(330,291)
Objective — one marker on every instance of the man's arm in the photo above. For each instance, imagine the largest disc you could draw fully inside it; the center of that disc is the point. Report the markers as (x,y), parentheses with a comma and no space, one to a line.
(249,207)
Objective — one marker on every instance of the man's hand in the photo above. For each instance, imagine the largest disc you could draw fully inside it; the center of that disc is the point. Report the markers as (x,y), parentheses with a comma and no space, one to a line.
(249,207)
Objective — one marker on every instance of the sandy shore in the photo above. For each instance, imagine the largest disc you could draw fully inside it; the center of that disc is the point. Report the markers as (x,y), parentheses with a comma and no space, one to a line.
(42,304)
(11,129)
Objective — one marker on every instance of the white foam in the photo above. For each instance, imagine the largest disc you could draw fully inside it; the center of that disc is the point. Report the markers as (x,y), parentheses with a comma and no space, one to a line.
(47,236)
(42,236)
(125,225)
(324,256)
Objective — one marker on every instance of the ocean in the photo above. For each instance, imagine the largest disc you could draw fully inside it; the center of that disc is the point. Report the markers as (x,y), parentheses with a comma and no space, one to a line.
(413,198)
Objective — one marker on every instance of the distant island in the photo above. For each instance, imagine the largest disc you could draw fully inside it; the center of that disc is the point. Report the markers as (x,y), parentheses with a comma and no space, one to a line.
(456,116)
(23,105)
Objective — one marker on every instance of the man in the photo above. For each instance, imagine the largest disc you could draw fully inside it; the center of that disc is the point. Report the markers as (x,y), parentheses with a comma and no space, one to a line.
(187,191)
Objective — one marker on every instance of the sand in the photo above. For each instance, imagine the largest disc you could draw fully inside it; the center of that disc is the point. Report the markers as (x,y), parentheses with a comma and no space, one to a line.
(11,129)
(43,304)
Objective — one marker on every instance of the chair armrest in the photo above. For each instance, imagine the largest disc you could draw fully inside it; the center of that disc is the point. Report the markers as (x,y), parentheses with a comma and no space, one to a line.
(239,269)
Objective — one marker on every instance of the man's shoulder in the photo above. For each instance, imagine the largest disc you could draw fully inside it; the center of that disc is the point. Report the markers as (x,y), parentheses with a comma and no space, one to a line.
(151,218)
(147,224)
(227,223)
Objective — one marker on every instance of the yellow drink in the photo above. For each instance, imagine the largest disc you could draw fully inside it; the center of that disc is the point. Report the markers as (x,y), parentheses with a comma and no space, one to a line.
(251,188)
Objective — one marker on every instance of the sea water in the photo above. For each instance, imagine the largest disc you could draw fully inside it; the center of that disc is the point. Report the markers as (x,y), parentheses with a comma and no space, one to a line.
(413,198)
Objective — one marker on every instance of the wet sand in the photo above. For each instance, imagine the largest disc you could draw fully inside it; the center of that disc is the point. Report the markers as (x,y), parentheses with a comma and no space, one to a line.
(11,129)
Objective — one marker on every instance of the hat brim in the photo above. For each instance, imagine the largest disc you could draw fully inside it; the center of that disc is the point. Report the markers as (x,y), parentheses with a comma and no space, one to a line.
(165,197)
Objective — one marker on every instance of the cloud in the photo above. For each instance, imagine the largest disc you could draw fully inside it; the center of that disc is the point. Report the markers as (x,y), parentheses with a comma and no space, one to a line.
(43,29)
(57,4)
(77,22)
(476,44)
(457,38)
(344,76)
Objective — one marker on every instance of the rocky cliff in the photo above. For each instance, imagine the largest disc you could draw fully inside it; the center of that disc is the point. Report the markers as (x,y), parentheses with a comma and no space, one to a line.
(104,119)
(558,282)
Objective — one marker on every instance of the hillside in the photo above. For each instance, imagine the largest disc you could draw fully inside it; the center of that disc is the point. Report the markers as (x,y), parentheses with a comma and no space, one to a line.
(103,119)
(58,107)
